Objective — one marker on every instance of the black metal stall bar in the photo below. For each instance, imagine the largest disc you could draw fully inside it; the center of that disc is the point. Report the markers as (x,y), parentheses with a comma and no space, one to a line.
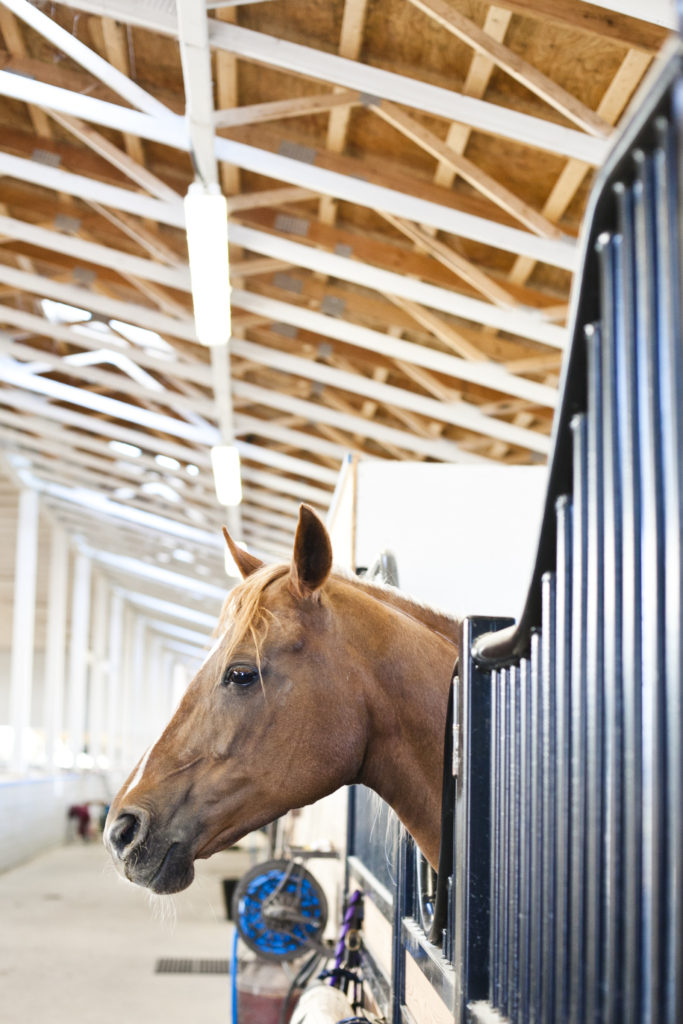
(581,828)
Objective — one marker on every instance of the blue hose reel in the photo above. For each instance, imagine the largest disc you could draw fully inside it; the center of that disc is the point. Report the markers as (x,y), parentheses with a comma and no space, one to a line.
(279,910)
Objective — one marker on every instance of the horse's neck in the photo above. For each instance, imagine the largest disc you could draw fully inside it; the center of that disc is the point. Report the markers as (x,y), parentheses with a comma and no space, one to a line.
(436,621)
(407,712)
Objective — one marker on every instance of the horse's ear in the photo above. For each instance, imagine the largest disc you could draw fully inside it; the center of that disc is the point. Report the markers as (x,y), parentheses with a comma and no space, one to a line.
(312,558)
(245,562)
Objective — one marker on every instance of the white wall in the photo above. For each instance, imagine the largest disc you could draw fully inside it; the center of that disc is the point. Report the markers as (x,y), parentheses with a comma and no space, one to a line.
(464,537)
(33,812)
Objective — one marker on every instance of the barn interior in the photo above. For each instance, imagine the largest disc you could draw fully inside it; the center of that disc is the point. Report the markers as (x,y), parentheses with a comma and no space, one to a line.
(405,182)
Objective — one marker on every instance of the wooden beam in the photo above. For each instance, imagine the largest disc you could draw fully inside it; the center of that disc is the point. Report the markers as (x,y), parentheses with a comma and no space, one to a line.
(462,267)
(279,109)
(116,52)
(467,170)
(621,88)
(621,28)
(446,15)
(128,165)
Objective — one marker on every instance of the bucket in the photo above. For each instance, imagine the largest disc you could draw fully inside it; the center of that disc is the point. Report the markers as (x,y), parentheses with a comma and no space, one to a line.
(261,990)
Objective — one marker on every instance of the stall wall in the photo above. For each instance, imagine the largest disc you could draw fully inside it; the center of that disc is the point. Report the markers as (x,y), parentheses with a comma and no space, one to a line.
(464,537)
(34,812)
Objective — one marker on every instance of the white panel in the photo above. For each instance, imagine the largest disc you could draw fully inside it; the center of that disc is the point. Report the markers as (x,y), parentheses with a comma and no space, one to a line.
(464,537)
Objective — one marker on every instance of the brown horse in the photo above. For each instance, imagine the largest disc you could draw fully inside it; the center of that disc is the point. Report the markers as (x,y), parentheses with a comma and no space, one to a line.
(316,680)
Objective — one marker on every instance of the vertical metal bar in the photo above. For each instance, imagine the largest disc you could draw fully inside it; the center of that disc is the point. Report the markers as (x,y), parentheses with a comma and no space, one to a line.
(631,604)
(402,908)
(514,844)
(473,826)
(594,676)
(563,618)
(668,171)
(536,957)
(526,739)
(654,863)
(549,787)
(496,841)
(504,880)
(577,935)
(613,339)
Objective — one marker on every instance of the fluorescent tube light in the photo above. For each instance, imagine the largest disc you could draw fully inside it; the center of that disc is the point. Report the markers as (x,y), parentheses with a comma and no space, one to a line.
(225,462)
(206,224)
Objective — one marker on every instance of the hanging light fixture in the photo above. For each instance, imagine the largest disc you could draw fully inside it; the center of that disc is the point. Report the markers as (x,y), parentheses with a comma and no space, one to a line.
(206,224)
(225,462)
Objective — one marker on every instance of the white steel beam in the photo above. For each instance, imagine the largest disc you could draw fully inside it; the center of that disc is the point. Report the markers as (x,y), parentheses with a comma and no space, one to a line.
(526,323)
(485,374)
(136,567)
(436,448)
(14,373)
(452,106)
(559,252)
(170,609)
(69,44)
(195,56)
(460,414)
(99,670)
(45,410)
(114,691)
(128,312)
(523,322)
(98,503)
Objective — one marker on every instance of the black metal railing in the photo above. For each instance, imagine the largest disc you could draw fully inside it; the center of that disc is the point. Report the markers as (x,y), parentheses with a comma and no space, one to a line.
(566,897)
(585,903)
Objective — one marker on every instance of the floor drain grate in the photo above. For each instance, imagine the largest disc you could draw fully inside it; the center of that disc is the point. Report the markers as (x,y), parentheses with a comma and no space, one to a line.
(186,966)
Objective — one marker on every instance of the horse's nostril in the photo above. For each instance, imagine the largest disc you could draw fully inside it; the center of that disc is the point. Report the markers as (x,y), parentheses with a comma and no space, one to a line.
(126,833)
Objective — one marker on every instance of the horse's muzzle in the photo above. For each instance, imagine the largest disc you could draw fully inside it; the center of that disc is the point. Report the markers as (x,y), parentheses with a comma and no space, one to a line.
(144,859)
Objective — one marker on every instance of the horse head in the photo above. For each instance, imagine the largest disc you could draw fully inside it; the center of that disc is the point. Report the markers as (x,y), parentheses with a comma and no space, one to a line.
(273,720)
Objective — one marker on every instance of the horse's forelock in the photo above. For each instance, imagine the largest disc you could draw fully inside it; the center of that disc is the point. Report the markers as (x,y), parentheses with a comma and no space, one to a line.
(243,612)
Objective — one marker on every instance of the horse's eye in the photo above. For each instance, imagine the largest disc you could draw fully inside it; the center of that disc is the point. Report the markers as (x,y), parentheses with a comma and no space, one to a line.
(240,675)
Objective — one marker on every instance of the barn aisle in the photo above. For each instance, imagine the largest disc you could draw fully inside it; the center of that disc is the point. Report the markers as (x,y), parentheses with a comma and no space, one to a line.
(78,944)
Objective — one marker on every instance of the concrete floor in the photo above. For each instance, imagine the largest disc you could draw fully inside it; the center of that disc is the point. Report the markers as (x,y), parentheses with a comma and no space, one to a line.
(79,945)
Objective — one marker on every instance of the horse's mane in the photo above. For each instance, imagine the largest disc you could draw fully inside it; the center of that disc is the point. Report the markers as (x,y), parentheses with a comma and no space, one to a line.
(244,614)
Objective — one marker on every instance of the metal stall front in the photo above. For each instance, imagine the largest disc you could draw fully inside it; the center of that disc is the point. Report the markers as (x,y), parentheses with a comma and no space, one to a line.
(565,889)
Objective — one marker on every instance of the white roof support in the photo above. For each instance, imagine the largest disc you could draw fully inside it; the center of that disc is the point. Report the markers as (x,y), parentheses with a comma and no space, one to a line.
(479,372)
(485,374)
(87,58)
(522,322)
(195,56)
(157,573)
(97,502)
(340,71)
(460,414)
(559,252)
(525,323)
(13,373)
(170,609)
(436,448)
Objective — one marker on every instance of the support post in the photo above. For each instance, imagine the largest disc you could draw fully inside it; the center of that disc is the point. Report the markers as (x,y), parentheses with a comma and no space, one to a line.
(78,654)
(23,627)
(55,643)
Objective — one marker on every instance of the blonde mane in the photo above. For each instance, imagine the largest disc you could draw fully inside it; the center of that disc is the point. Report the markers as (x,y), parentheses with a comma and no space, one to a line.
(243,612)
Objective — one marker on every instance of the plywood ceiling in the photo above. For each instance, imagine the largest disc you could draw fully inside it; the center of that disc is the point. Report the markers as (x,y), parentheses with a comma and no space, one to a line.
(406,181)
